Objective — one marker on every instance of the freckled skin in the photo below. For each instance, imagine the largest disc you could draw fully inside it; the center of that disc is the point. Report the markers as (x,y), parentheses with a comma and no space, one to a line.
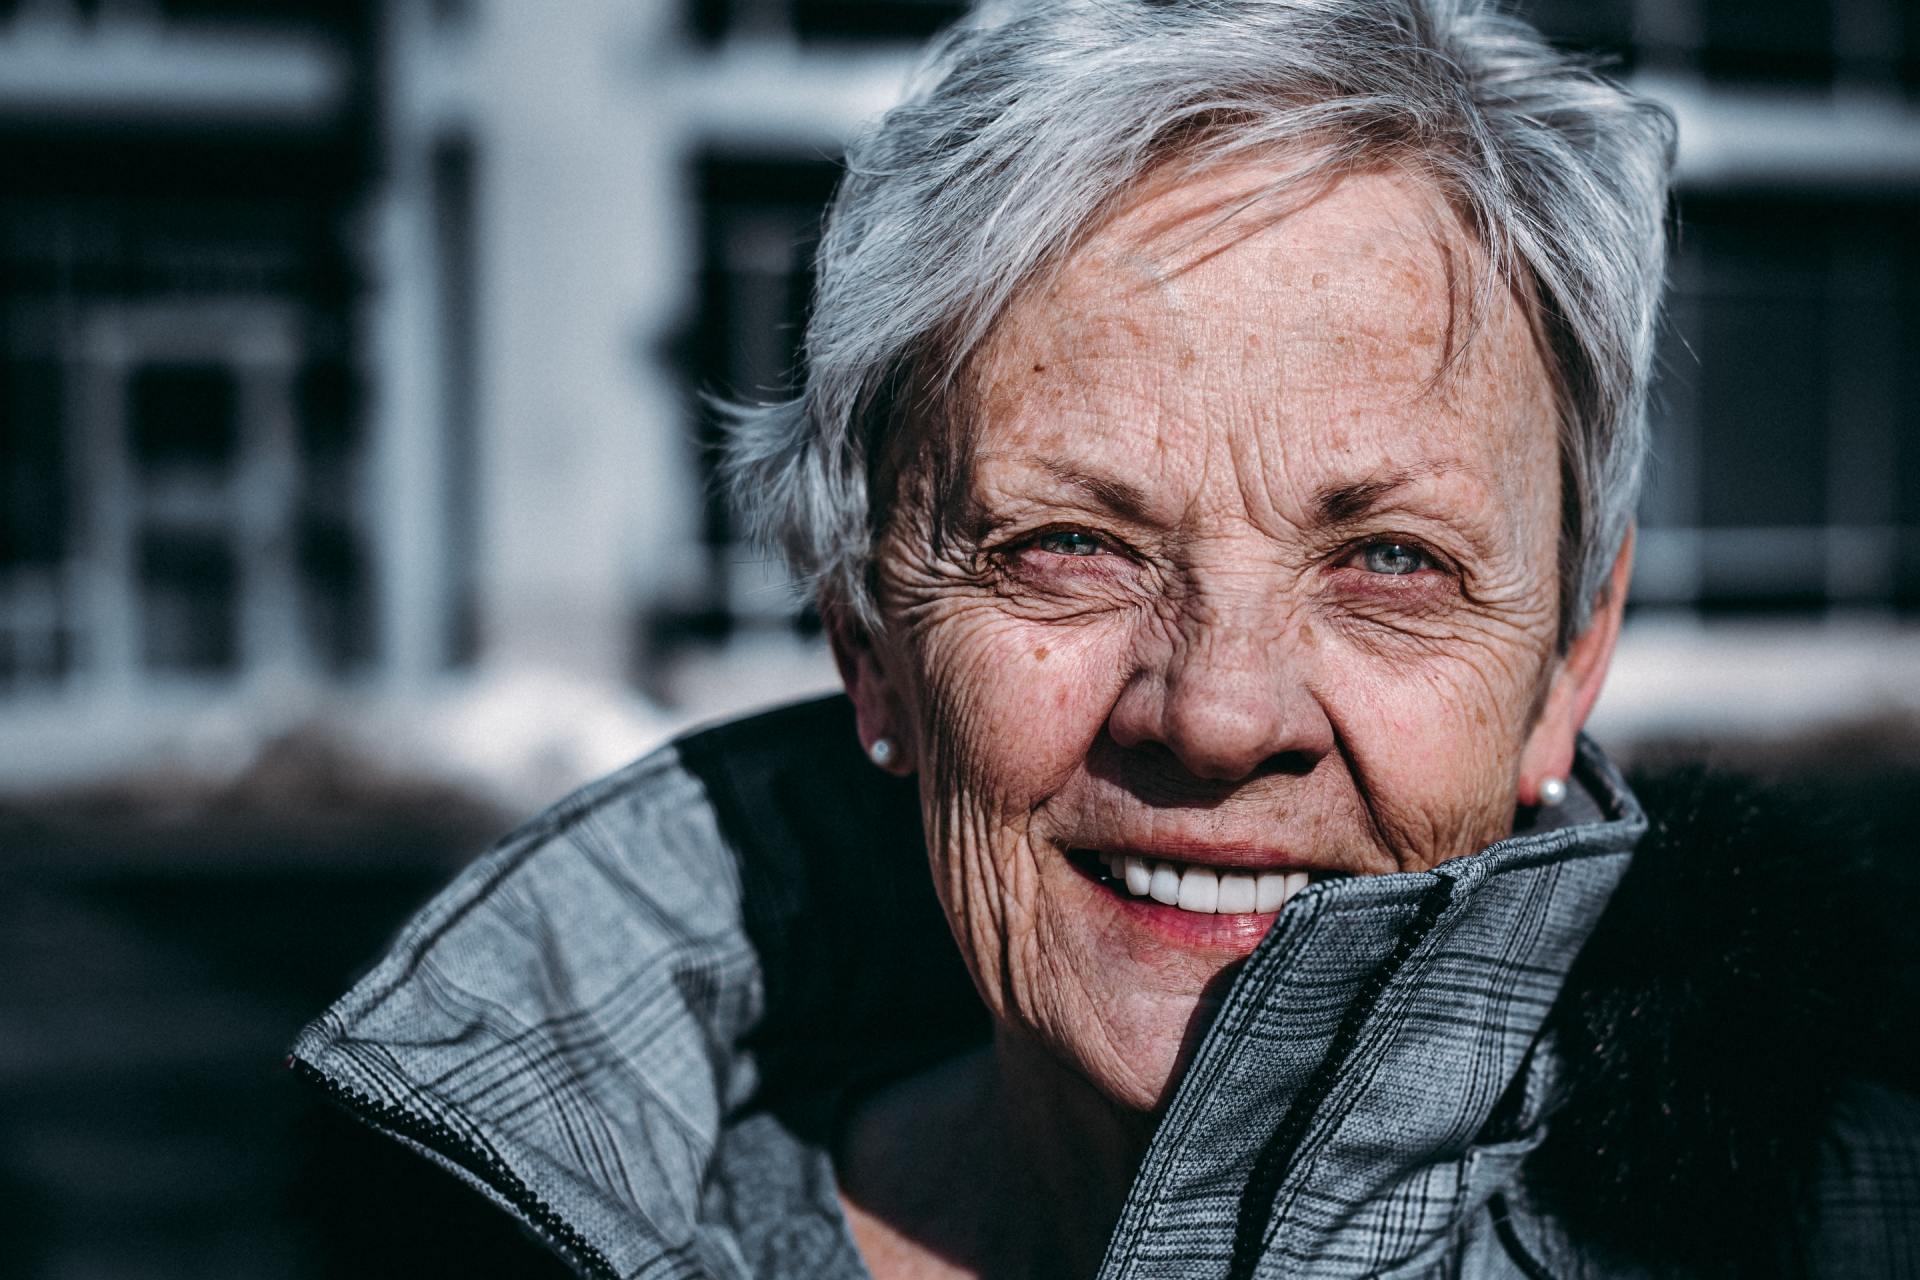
(1224,663)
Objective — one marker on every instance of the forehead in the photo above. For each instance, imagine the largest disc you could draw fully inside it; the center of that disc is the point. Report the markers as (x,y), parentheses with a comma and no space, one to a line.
(1344,329)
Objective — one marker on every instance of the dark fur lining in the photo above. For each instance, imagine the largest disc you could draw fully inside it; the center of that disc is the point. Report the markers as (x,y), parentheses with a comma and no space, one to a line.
(1740,974)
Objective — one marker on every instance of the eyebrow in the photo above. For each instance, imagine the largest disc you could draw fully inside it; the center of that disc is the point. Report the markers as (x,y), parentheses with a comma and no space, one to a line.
(1115,494)
(1344,502)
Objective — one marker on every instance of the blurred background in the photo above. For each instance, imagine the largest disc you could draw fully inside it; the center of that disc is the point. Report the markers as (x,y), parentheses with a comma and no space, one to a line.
(354,497)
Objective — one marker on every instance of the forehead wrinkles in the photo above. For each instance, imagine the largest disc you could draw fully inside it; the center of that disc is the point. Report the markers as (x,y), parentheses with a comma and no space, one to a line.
(1377,258)
(1348,325)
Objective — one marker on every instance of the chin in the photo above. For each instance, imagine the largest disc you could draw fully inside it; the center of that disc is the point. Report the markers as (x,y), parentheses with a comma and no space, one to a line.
(1129,1012)
(1136,981)
(1137,1054)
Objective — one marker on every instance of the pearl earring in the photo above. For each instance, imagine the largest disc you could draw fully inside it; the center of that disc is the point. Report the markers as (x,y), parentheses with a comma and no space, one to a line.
(881,752)
(1552,792)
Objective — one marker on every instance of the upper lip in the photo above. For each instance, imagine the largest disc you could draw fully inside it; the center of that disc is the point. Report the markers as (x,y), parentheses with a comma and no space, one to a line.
(1237,855)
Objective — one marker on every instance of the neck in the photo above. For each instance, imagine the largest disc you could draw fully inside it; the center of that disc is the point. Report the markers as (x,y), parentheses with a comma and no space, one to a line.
(1068,1157)
(1002,1165)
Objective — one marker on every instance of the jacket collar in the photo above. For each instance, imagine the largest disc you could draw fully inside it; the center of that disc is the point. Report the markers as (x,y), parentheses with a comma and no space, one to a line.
(1374,1075)
(629,1024)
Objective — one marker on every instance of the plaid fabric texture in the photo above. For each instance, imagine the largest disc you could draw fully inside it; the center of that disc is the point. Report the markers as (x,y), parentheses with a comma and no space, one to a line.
(630,1025)
(1868,1190)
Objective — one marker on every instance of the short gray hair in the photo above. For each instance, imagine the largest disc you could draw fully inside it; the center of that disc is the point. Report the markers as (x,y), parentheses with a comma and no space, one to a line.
(1033,119)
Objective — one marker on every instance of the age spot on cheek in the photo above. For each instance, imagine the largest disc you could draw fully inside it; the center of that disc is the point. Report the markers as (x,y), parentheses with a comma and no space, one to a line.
(1040,654)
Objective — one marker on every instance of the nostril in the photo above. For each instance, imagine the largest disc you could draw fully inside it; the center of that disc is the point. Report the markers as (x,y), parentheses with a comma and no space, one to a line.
(1241,743)
(1292,764)
(1217,768)
(1158,778)
(1223,721)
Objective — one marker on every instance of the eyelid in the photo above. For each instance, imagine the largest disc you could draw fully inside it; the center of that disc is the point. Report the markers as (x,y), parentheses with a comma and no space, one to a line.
(1439,561)
(1032,538)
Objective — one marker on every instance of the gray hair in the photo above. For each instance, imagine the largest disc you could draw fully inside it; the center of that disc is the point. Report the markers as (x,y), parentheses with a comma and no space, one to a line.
(1032,120)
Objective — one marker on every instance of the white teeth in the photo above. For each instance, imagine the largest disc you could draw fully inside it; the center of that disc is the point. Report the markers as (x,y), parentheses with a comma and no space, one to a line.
(1205,890)
(1199,890)
(1237,894)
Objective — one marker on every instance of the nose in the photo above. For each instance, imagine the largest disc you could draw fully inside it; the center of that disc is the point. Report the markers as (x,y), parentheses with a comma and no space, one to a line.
(1229,701)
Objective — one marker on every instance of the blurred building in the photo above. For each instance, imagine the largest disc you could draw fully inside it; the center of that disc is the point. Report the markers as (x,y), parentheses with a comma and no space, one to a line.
(351,354)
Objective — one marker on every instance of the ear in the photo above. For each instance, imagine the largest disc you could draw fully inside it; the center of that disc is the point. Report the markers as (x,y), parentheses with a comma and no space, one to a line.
(876,700)
(1582,670)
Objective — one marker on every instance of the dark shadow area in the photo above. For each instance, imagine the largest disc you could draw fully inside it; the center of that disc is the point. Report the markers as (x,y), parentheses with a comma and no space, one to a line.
(1859,784)
(161,951)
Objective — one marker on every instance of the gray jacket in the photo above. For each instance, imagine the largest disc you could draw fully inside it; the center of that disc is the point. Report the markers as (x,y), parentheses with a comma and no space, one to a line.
(632,1023)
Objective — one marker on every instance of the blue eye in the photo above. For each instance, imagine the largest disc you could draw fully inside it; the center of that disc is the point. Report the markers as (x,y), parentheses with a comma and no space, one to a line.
(1068,542)
(1395,559)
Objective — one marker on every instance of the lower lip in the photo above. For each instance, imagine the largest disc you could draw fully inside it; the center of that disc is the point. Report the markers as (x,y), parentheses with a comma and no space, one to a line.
(1233,934)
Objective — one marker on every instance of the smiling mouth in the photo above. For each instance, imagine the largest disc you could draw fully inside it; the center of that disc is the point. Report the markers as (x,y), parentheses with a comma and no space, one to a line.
(1191,887)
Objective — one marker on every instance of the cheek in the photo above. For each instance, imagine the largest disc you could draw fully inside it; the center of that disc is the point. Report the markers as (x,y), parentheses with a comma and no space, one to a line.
(1435,745)
(1014,703)
(1008,708)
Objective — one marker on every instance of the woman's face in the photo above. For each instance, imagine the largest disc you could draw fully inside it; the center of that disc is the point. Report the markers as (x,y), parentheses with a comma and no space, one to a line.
(1252,571)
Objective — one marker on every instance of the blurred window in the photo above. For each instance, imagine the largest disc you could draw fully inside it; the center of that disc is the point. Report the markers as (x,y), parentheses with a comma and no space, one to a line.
(1740,39)
(183,486)
(1602,29)
(834,20)
(183,417)
(33,516)
(333,560)
(1786,473)
(189,601)
(258,13)
(453,180)
(760,220)
(183,434)
(181,457)
(1910,55)
(1774,43)
(35,535)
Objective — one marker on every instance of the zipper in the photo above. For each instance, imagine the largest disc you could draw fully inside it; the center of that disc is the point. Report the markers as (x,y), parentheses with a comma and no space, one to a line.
(559,1234)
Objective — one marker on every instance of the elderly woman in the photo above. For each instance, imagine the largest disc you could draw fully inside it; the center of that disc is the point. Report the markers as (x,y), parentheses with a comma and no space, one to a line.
(1216,465)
